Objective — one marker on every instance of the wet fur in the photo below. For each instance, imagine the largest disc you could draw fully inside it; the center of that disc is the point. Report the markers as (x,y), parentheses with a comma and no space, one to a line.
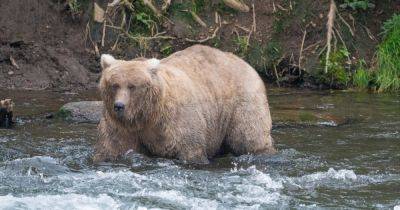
(188,107)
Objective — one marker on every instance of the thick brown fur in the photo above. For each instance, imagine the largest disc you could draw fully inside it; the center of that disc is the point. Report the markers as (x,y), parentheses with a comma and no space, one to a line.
(6,113)
(191,106)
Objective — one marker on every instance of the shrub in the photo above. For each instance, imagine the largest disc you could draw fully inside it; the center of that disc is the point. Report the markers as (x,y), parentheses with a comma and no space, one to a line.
(337,74)
(388,55)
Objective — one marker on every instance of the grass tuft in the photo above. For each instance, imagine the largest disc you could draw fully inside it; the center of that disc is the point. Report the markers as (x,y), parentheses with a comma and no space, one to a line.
(388,74)
(362,77)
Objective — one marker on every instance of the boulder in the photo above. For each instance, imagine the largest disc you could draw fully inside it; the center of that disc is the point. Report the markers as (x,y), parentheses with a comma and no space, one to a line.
(83,111)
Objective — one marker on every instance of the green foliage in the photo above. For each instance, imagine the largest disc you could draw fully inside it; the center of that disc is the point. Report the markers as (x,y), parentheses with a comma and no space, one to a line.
(362,78)
(388,74)
(145,19)
(223,9)
(391,25)
(241,43)
(63,114)
(74,6)
(198,6)
(167,49)
(337,73)
(263,57)
(357,4)
(273,52)
(182,9)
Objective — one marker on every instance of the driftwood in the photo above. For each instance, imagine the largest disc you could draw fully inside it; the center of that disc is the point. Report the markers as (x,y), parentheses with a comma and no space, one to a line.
(6,113)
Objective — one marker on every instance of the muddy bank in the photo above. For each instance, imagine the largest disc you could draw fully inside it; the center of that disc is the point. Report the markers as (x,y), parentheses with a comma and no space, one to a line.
(49,45)
(42,48)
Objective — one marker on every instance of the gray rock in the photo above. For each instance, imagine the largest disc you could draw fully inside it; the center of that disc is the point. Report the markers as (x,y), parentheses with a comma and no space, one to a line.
(83,111)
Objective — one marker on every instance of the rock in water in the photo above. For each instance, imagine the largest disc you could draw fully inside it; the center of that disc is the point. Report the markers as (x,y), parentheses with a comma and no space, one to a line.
(83,111)
(6,113)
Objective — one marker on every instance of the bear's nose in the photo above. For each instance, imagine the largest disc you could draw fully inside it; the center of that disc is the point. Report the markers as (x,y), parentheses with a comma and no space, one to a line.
(118,106)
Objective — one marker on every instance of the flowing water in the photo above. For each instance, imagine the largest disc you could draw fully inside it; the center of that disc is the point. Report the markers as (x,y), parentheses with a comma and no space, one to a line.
(46,163)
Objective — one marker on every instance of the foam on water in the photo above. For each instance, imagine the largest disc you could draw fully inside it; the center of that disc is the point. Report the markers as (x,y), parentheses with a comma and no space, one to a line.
(340,175)
(44,159)
(177,199)
(67,201)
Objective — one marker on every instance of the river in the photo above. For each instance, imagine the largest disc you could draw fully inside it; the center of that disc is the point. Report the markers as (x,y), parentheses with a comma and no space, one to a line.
(46,163)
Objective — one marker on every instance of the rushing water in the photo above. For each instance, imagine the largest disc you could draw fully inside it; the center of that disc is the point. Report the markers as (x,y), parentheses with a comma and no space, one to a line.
(46,163)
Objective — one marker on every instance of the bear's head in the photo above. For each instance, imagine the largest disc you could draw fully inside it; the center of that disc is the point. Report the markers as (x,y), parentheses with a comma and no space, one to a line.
(131,90)
(7,105)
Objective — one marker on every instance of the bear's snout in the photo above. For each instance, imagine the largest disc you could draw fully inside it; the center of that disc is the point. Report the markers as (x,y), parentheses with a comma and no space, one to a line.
(119,106)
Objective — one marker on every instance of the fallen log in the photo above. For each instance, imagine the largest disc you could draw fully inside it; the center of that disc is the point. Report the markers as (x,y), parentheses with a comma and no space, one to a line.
(6,113)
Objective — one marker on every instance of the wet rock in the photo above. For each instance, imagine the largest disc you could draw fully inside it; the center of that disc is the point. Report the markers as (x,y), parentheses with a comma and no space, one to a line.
(304,117)
(83,111)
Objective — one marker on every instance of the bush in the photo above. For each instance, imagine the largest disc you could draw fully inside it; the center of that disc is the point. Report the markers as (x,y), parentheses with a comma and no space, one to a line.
(388,73)
(337,76)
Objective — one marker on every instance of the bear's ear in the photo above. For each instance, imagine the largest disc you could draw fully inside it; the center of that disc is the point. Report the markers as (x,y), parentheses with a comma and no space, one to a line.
(106,61)
(153,63)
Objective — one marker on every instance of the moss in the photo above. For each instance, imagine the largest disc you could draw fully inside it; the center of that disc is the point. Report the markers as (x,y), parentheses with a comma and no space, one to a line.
(63,114)
(306,117)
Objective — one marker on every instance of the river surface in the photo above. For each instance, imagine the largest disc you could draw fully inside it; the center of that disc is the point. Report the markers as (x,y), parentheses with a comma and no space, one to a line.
(46,163)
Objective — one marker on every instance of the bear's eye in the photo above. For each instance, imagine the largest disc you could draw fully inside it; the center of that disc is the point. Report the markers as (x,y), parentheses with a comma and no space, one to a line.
(115,86)
(131,87)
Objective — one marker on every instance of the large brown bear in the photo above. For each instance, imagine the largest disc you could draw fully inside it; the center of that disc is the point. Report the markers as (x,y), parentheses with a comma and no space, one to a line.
(191,106)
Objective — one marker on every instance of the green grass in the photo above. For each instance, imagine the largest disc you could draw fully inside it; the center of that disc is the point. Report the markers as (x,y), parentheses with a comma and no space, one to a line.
(241,45)
(362,77)
(74,6)
(388,74)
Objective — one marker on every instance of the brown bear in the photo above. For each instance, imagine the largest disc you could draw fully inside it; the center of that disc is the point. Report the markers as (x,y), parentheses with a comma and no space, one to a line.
(193,105)
(6,113)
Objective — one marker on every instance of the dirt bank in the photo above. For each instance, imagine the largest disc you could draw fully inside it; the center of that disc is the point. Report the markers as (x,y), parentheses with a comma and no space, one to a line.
(42,48)
(46,45)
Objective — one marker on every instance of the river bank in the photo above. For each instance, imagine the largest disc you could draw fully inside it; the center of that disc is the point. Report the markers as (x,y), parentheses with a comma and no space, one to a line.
(55,45)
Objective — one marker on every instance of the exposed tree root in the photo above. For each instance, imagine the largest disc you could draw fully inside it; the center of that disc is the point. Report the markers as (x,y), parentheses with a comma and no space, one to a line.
(153,8)
(206,39)
(198,19)
(237,5)
(301,48)
(329,25)
(166,5)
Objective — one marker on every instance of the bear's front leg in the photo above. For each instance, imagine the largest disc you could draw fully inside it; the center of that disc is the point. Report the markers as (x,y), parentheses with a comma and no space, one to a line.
(113,142)
(194,157)
(193,154)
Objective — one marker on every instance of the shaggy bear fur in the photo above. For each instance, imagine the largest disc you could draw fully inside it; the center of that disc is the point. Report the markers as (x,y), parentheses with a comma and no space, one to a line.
(6,113)
(192,105)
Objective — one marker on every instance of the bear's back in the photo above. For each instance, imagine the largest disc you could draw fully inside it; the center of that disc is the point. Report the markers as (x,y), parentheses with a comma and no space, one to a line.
(220,72)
